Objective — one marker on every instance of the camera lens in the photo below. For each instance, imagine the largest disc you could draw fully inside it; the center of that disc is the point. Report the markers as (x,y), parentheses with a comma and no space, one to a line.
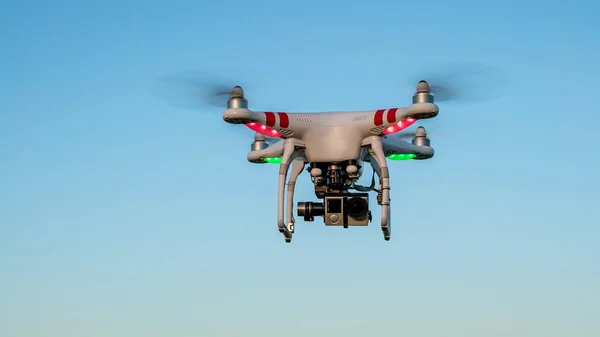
(358,208)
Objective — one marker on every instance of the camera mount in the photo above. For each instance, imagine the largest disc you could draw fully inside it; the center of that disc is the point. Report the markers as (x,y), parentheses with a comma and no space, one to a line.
(338,209)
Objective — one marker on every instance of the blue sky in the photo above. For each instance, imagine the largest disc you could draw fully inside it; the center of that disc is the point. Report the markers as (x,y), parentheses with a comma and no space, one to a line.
(121,215)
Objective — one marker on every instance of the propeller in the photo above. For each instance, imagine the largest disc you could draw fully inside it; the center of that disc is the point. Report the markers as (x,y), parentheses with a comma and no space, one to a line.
(420,131)
(196,89)
(405,134)
(461,82)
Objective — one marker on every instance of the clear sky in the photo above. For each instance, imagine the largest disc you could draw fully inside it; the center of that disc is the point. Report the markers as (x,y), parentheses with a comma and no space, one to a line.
(121,215)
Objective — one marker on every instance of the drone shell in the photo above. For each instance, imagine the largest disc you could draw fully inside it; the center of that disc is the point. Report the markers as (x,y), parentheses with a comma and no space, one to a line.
(332,136)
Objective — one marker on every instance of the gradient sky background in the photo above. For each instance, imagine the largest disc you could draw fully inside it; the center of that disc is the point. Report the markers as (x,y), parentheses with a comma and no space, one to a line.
(121,215)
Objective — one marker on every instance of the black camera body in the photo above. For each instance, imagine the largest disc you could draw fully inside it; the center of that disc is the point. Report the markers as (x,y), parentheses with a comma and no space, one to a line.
(338,209)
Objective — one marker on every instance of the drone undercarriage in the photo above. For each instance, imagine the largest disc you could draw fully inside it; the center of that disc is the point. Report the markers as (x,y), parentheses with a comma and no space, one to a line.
(329,178)
(332,182)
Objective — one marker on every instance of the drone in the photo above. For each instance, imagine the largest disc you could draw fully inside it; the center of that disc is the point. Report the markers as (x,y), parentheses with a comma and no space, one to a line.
(334,147)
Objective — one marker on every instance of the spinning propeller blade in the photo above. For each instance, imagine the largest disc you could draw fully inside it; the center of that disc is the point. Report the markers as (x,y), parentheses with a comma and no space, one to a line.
(404,134)
(412,134)
(467,81)
(195,89)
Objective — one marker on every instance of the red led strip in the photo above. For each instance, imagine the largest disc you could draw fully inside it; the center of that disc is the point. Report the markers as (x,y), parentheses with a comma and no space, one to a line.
(263,129)
(403,124)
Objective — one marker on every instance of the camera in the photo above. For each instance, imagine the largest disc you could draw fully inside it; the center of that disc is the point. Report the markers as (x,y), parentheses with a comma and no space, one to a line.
(348,209)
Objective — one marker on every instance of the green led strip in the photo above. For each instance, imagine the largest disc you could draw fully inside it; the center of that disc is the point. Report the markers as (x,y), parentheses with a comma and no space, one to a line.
(397,156)
(275,160)
(401,156)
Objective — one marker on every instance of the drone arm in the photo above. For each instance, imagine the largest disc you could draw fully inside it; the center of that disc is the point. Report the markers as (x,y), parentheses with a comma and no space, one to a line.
(297,167)
(396,145)
(396,119)
(422,110)
(273,151)
(375,149)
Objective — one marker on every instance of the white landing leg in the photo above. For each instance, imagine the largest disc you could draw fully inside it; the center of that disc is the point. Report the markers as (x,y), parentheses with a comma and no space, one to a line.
(297,168)
(290,153)
(375,149)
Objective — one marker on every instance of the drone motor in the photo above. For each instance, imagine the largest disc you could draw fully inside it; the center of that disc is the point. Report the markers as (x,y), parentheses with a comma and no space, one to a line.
(420,138)
(310,209)
(259,142)
(237,99)
(423,95)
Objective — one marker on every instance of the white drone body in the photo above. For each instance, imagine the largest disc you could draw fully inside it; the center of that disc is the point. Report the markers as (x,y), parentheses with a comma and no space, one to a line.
(335,145)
